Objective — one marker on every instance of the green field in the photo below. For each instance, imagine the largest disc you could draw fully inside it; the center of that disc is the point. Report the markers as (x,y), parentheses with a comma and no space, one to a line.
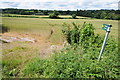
(17,55)
(43,26)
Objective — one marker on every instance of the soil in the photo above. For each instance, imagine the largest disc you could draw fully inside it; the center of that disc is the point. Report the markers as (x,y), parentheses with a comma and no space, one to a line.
(44,46)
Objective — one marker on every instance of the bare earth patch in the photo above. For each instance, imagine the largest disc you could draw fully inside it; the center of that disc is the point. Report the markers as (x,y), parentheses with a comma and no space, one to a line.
(44,46)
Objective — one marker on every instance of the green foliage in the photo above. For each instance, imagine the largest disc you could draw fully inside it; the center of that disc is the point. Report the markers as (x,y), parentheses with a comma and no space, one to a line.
(35,68)
(72,33)
(103,15)
(9,68)
(54,14)
(79,35)
(79,62)
(87,34)
(100,14)
(74,16)
(71,63)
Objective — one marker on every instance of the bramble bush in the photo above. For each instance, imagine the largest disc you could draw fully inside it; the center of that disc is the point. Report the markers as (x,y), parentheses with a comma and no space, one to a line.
(80,58)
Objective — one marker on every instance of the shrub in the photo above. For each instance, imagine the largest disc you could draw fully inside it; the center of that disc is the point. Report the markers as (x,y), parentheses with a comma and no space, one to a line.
(72,33)
(79,59)
(71,63)
(79,35)
(35,68)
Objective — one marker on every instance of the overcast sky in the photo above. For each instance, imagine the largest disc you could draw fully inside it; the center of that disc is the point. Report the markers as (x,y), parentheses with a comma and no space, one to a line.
(60,4)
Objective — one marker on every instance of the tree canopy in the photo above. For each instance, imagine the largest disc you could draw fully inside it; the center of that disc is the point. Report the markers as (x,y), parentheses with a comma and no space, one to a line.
(99,14)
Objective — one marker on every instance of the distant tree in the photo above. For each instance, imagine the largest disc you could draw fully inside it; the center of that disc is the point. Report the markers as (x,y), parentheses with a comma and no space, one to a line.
(35,11)
(45,12)
(73,16)
(103,15)
(54,14)
(22,12)
(68,12)
(110,15)
(99,14)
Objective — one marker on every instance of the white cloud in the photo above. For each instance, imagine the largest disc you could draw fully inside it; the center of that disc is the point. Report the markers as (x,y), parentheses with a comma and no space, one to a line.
(60,4)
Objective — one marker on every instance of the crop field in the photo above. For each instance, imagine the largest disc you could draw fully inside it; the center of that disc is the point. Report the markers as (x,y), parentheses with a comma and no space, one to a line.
(45,37)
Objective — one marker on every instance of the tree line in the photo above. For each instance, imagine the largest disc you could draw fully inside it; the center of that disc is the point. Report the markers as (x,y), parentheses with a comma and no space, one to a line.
(99,14)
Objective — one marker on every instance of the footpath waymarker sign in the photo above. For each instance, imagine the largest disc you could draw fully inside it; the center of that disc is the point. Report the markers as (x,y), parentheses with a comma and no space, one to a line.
(105,27)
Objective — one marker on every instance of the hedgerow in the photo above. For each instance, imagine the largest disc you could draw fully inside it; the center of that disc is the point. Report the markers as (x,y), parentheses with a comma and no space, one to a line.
(80,58)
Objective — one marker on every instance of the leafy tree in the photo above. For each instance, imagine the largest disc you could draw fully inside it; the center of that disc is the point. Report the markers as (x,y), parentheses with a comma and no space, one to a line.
(103,15)
(99,14)
(54,14)
(74,16)
(110,16)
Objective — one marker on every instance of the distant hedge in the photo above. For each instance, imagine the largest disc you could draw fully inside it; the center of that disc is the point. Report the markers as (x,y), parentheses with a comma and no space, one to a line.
(99,14)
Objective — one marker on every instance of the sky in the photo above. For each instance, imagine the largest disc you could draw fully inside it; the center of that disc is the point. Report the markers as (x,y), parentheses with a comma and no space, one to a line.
(60,4)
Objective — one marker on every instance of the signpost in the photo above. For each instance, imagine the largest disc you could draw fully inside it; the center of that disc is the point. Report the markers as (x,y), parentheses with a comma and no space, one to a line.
(105,27)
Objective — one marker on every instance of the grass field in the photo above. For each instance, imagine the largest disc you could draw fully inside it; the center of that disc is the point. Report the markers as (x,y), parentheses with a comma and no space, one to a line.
(43,26)
(17,54)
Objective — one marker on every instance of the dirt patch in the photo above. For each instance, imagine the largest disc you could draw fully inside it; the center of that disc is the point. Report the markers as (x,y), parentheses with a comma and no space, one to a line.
(44,46)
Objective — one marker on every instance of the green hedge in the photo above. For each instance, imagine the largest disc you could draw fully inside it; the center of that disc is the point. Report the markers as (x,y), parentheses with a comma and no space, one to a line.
(79,59)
